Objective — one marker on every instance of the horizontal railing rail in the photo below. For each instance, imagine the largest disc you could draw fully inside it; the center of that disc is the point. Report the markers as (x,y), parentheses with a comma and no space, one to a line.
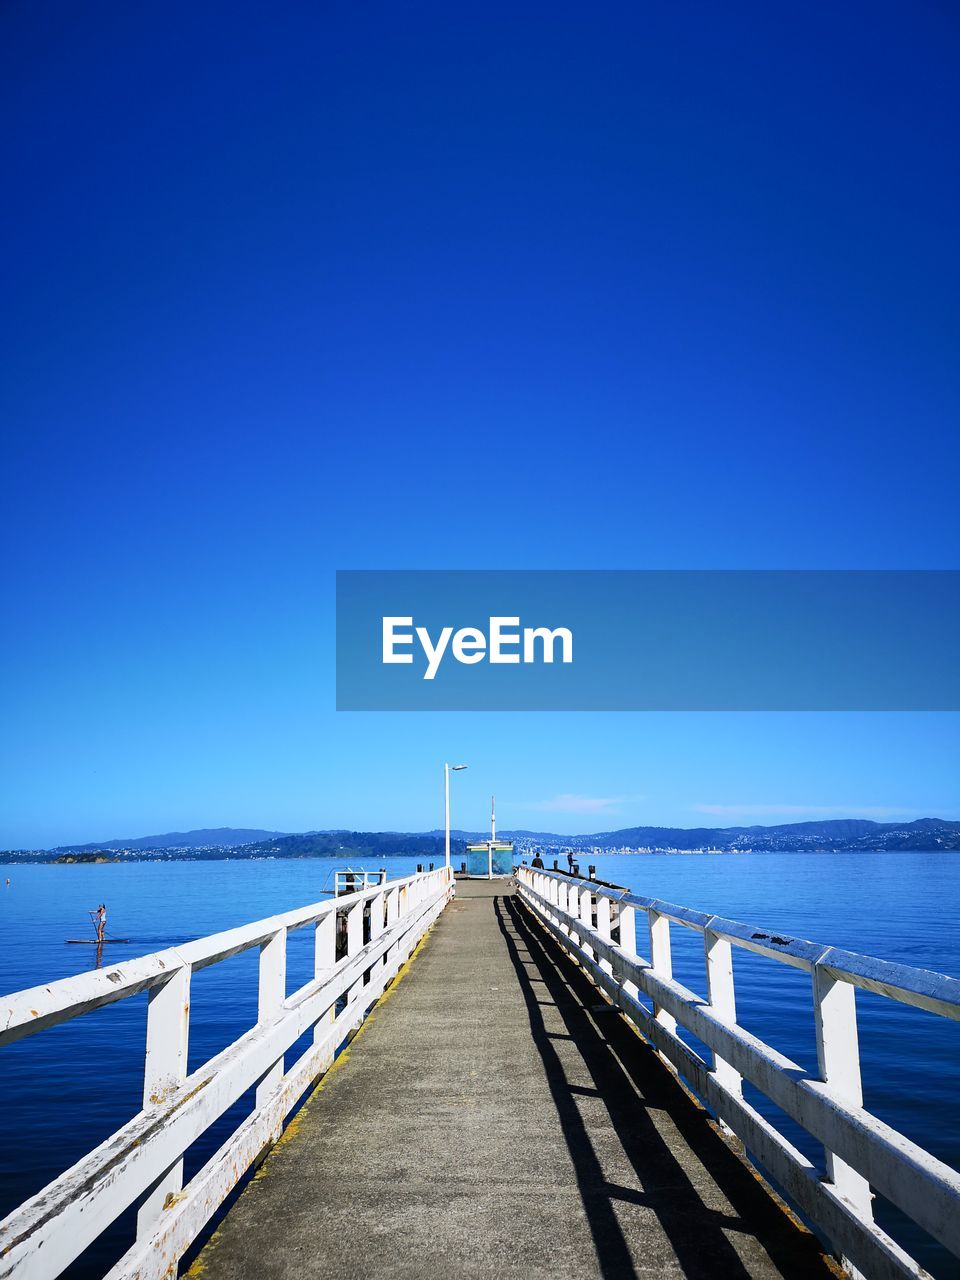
(361,941)
(350,881)
(598,926)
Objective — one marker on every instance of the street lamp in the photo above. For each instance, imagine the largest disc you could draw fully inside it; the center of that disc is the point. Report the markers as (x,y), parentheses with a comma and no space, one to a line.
(446,801)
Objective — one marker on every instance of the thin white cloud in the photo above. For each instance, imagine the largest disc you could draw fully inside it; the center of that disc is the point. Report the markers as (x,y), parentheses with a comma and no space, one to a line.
(804,811)
(575,804)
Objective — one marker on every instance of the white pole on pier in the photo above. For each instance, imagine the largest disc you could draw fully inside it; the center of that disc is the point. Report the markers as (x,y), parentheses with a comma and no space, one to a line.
(446,805)
(493,836)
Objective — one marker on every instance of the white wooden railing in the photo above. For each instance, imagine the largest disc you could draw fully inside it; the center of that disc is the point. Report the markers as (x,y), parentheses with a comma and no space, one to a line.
(860,1150)
(142,1163)
(350,881)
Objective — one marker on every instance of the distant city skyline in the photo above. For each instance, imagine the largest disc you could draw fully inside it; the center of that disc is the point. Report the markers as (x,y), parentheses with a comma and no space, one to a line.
(455,288)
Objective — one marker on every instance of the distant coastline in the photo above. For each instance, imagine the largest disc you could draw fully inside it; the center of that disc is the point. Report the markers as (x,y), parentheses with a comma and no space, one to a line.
(843,835)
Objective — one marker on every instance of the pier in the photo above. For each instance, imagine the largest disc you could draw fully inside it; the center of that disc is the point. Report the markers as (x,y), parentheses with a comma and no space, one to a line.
(501,1082)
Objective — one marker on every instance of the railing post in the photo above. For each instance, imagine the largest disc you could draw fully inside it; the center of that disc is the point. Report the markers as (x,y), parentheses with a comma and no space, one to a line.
(586,914)
(273,992)
(838,1054)
(354,942)
(661,963)
(563,903)
(603,926)
(628,942)
(553,892)
(324,963)
(413,902)
(393,915)
(718,955)
(165,1067)
(377,924)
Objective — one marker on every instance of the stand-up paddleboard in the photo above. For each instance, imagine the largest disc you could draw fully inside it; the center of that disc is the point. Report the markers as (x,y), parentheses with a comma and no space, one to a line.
(92,942)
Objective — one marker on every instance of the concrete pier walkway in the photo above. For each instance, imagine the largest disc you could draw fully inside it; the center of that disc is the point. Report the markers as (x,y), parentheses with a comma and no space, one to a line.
(494,1119)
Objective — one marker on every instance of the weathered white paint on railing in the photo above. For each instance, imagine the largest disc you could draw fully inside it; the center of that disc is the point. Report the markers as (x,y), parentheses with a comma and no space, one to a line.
(142,1163)
(165,1069)
(860,1150)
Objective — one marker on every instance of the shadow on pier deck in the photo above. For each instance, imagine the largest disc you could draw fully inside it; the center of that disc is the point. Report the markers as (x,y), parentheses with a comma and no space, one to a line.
(493,1120)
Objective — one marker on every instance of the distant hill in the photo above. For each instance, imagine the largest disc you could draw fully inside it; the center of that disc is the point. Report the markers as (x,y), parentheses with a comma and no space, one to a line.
(204,838)
(836,835)
(352,844)
(832,836)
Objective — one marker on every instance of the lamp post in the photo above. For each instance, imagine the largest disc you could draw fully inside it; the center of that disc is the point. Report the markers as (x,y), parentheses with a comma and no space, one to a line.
(447,768)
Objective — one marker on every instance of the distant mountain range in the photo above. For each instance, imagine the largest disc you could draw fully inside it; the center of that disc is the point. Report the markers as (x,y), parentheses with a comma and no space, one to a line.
(834,836)
(204,838)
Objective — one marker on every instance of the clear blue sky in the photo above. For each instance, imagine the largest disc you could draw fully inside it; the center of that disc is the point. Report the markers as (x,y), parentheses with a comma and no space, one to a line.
(429,286)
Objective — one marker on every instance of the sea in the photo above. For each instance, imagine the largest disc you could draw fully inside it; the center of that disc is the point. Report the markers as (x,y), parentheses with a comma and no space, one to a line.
(68,1088)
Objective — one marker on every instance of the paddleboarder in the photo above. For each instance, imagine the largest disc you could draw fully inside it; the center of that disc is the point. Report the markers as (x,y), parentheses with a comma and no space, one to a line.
(99,918)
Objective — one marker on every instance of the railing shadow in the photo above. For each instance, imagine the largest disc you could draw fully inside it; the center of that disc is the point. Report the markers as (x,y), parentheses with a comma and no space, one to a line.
(633,1084)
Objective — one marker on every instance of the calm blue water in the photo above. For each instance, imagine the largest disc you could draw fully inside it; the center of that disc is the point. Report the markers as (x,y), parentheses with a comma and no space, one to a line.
(69,1088)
